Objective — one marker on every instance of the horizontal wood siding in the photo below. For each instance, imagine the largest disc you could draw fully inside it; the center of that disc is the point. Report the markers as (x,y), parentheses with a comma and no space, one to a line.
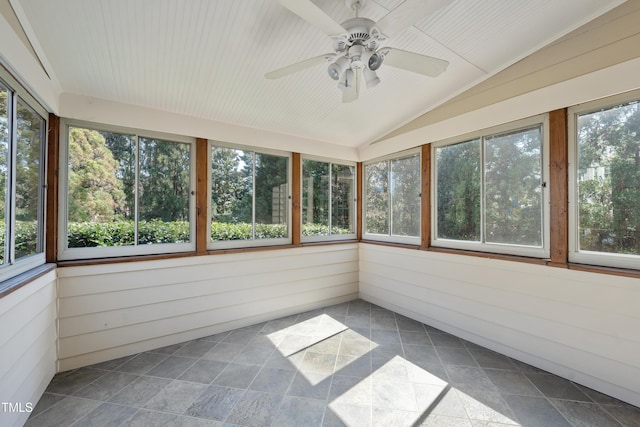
(27,345)
(119,309)
(582,326)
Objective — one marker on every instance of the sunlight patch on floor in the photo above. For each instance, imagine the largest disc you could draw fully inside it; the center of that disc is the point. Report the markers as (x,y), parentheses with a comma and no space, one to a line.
(394,391)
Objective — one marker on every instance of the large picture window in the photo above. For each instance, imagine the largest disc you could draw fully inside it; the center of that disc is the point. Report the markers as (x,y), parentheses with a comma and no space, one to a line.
(490,192)
(250,200)
(126,194)
(605,219)
(392,199)
(22,143)
(328,200)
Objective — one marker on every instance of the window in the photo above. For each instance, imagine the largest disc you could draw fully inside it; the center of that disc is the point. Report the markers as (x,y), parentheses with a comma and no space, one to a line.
(392,199)
(490,192)
(605,214)
(22,147)
(125,193)
(250,201)
(328,200)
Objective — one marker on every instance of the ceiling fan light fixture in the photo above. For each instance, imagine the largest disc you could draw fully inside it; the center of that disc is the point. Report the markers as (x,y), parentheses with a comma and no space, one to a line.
(371,78)
(358,50)
(337,69)
(375,61)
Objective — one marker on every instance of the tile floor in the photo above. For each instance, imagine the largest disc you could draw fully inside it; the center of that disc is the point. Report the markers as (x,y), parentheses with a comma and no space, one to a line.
(352,364)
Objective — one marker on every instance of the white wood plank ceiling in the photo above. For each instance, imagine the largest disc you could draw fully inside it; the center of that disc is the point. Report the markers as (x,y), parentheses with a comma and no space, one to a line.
(207,58)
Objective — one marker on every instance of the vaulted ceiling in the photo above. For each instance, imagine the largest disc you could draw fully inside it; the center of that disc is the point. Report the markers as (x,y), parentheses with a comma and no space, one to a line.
(207,58)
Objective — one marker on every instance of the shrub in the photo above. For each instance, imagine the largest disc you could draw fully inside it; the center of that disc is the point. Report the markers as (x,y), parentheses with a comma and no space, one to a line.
(321,230)
(26,239)
(94,234)
(121,233)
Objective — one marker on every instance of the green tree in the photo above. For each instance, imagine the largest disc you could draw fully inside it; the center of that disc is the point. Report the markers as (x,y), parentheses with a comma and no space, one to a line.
(609,179)
(4,163)
(30,129)
(315,193)
(164,180)
(270,184)
(342,198)
(377,188)
(95,193)
(513,196)
(231,187)
(123,148)
(458,191)
(405,196)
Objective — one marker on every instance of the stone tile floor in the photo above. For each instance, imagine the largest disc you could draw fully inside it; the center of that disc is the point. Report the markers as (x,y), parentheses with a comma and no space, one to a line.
(352,364)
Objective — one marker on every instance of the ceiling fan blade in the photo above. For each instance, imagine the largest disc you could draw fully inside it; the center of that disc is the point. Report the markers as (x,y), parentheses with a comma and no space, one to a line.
(353,92)
(411,61)
(315,16)
(299,66)
(407,14)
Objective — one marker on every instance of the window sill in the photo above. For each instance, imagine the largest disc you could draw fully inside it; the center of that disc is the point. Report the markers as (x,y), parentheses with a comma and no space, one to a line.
(392,244)
(137,258)
(15,283)
(117,260)
(490,255)
(614,271)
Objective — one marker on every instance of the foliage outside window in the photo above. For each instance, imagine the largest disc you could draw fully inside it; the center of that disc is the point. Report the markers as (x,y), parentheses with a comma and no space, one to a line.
(392,199)
(606,180)
(328,200)
(22,142)
(249,197)
(126,194)
(489,193)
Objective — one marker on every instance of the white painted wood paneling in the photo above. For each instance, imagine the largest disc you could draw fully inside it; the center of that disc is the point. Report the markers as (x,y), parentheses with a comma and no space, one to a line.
(27,345)
(118,309)
(582,326)
(207,59)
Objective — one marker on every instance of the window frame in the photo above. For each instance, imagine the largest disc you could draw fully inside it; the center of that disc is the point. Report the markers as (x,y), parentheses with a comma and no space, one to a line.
(391,238)
(330,237)
(248,243)
(64,252)
(15,93)
(542,251)
(576,255)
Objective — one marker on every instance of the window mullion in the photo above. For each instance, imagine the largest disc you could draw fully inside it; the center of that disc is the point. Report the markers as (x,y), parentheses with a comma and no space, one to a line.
(330,198)
(483,192)
(253,196)
(389,210)
(136,191)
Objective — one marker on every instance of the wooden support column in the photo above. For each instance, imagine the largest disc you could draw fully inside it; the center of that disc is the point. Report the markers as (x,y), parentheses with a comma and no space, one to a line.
(53,165)
(202,178)
(296,196)
(360,197)
(425,198)
(558,188)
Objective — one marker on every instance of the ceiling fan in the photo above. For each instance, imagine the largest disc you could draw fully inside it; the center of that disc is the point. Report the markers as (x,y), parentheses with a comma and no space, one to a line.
(357,44)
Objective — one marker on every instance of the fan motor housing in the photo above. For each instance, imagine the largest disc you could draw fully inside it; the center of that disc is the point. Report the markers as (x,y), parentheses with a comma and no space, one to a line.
(360,31)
